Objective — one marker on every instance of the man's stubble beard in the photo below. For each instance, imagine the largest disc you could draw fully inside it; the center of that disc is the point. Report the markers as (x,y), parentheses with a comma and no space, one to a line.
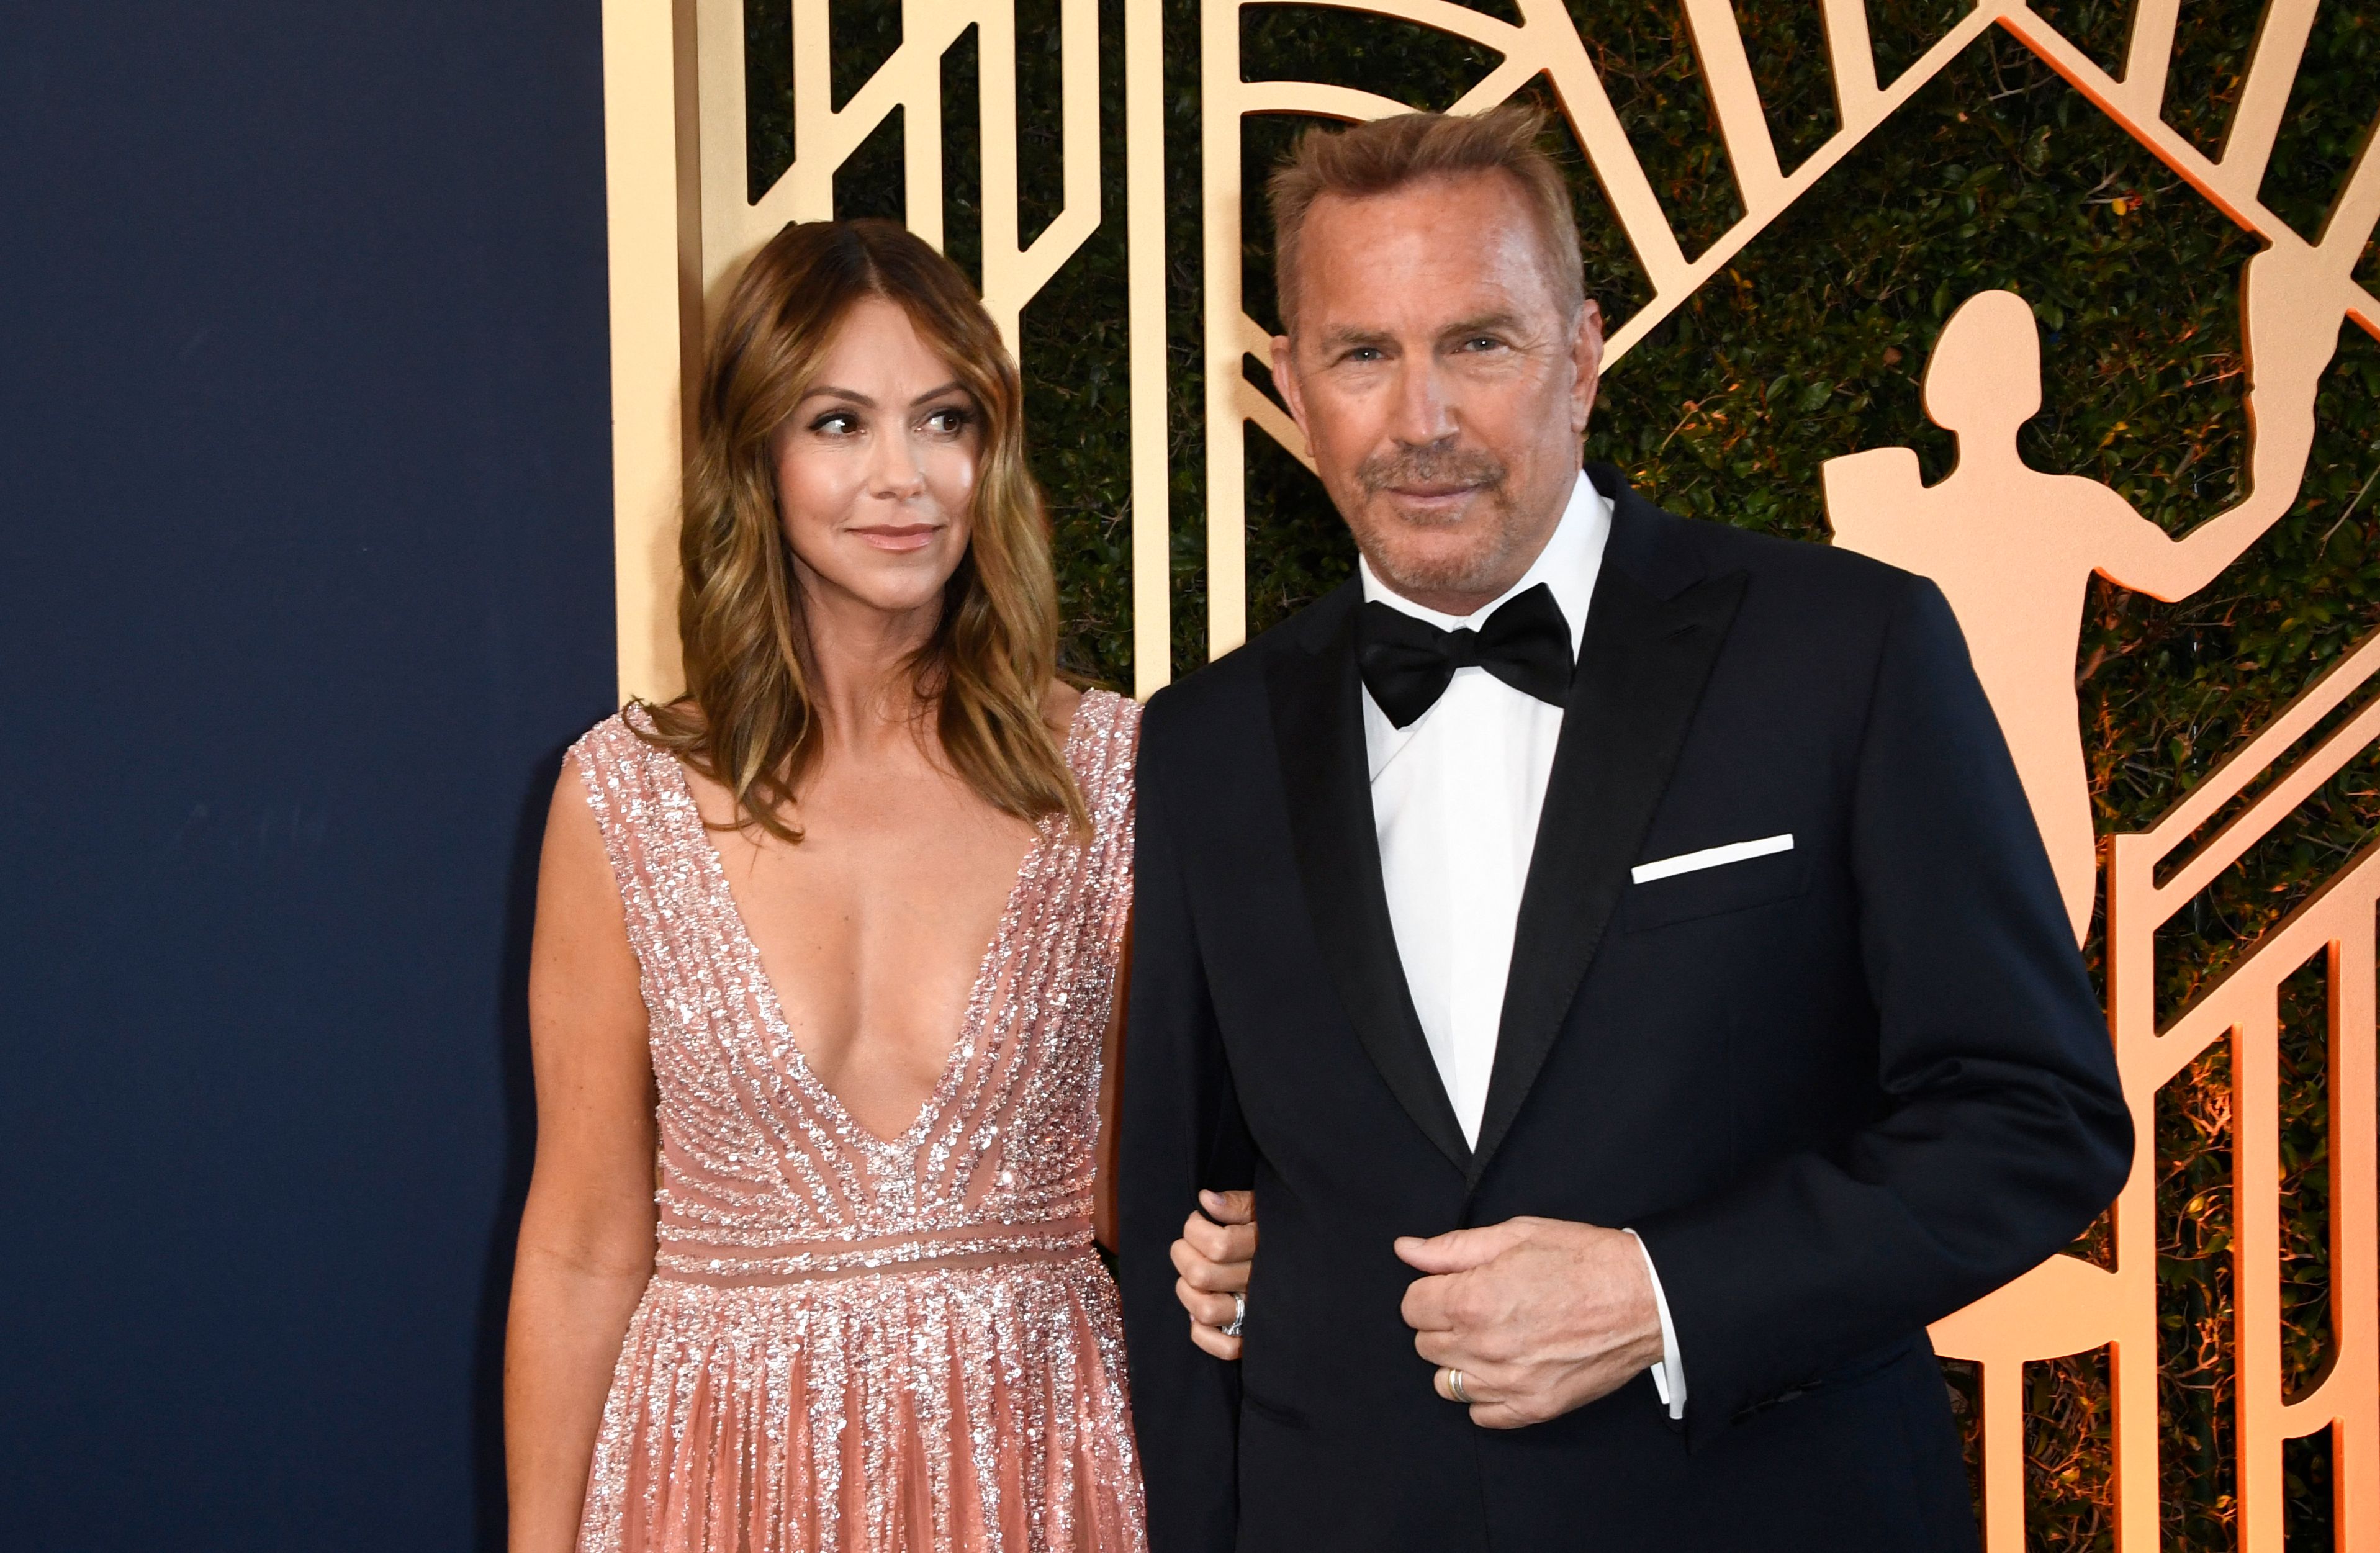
(1476,572)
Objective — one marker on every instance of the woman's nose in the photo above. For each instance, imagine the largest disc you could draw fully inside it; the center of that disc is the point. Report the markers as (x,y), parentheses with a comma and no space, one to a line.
(899,473)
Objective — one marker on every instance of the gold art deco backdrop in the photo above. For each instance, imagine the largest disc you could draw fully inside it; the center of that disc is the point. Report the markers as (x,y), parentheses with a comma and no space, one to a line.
(1828,234)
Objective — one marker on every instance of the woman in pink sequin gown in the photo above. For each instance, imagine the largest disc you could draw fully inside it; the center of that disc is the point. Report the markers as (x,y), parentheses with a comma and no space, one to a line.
(826,1328)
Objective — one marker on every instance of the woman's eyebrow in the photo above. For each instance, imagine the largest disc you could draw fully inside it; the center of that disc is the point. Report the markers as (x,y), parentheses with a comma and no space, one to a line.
(852,395)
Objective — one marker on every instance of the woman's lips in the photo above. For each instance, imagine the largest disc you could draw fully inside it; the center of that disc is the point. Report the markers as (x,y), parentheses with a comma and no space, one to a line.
(906,536)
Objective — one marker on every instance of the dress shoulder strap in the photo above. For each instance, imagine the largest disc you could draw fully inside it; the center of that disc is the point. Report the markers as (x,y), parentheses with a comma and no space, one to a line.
(1102,748)
(1101,752)
(643,806)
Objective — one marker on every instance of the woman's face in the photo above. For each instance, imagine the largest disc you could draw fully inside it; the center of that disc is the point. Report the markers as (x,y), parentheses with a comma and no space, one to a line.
(876,468)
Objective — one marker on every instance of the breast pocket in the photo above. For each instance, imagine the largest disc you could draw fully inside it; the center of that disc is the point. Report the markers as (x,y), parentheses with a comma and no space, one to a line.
(1735,876)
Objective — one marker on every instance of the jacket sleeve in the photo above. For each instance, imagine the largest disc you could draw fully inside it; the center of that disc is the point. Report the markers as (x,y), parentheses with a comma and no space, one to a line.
(2003,1130)
(1180,1131)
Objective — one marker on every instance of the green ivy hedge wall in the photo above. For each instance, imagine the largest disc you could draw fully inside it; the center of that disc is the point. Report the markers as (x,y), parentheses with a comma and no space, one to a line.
(1812,345)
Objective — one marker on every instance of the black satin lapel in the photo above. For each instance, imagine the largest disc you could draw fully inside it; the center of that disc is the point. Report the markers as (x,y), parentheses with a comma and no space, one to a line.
(1319,729)
(1642,669)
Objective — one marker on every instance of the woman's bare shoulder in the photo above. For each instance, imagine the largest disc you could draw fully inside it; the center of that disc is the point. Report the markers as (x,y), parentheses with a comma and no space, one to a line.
(1059,702)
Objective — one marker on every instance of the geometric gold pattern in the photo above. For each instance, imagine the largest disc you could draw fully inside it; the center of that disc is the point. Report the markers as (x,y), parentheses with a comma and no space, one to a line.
(1546,45)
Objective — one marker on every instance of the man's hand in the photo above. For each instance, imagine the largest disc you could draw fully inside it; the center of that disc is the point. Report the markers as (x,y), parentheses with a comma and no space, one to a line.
(1213,1256)
(1540,1316)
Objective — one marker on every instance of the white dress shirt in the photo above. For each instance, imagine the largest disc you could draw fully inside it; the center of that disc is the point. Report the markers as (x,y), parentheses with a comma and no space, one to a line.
(1455,798)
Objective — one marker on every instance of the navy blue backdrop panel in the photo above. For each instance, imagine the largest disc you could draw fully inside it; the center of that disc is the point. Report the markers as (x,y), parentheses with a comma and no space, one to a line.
(305,584)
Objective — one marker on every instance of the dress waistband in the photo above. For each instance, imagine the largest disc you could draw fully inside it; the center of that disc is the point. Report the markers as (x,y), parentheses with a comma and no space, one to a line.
(812,1261)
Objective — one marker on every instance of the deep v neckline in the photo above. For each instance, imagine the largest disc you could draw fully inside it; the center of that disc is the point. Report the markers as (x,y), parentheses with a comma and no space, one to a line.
(772,1008)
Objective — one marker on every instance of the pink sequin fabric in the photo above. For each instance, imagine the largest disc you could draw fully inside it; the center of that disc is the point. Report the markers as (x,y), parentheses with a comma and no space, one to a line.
(853,1342)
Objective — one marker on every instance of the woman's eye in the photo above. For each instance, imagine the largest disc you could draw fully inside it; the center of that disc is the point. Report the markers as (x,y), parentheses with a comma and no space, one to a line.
(948,421)
(835,423)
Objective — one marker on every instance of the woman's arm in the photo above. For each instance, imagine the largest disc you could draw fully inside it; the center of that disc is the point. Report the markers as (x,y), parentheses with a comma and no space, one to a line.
(587,1234)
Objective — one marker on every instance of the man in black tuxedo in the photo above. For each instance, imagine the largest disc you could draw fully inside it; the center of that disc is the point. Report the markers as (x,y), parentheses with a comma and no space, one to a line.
(1615,949)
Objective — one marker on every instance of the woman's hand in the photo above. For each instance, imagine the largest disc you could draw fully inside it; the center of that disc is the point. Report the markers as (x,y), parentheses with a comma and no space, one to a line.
(1213,1256)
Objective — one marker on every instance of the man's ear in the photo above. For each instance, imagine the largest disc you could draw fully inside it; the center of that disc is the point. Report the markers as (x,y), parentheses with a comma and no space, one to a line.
(1587,357)
(1285,378)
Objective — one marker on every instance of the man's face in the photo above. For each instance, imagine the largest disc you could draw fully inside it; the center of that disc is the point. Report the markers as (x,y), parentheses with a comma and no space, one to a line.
(1441,390)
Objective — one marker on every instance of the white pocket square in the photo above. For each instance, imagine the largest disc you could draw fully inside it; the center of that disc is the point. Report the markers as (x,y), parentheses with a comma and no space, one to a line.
(1708,857)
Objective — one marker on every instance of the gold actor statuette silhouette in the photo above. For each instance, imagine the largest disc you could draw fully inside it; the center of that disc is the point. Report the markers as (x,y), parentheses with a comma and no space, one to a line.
(2013,547)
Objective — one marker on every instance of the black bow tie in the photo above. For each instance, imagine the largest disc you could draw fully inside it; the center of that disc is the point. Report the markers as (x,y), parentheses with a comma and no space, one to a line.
(1407,663)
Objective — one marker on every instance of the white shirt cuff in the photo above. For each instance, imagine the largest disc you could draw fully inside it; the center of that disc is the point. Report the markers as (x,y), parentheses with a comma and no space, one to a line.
(1670,1375)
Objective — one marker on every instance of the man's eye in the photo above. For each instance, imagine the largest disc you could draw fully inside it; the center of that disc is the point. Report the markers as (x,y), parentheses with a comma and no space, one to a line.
(1363,354)
(1482,342)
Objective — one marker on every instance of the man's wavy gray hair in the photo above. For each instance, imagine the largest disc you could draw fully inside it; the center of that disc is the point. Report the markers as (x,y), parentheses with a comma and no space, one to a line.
(1389,154)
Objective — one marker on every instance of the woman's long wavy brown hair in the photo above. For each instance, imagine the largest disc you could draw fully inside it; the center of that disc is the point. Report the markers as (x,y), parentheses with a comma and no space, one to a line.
(749,720)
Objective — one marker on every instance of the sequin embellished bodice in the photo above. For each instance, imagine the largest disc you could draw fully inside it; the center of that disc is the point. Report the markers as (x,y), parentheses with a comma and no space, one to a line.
(787,1229)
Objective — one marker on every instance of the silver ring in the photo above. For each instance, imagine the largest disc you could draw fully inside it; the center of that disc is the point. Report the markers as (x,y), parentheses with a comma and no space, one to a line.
(1239,1316)
(1454,1385)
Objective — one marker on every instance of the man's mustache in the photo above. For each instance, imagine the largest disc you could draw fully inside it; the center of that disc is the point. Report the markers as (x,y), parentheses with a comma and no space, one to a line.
(1432,465)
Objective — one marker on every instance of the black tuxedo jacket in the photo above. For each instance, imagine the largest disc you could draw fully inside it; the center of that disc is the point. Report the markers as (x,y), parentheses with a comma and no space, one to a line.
(1840,1091)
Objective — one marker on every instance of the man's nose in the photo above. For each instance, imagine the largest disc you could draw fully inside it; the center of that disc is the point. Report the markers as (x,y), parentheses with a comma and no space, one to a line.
(1423,414)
